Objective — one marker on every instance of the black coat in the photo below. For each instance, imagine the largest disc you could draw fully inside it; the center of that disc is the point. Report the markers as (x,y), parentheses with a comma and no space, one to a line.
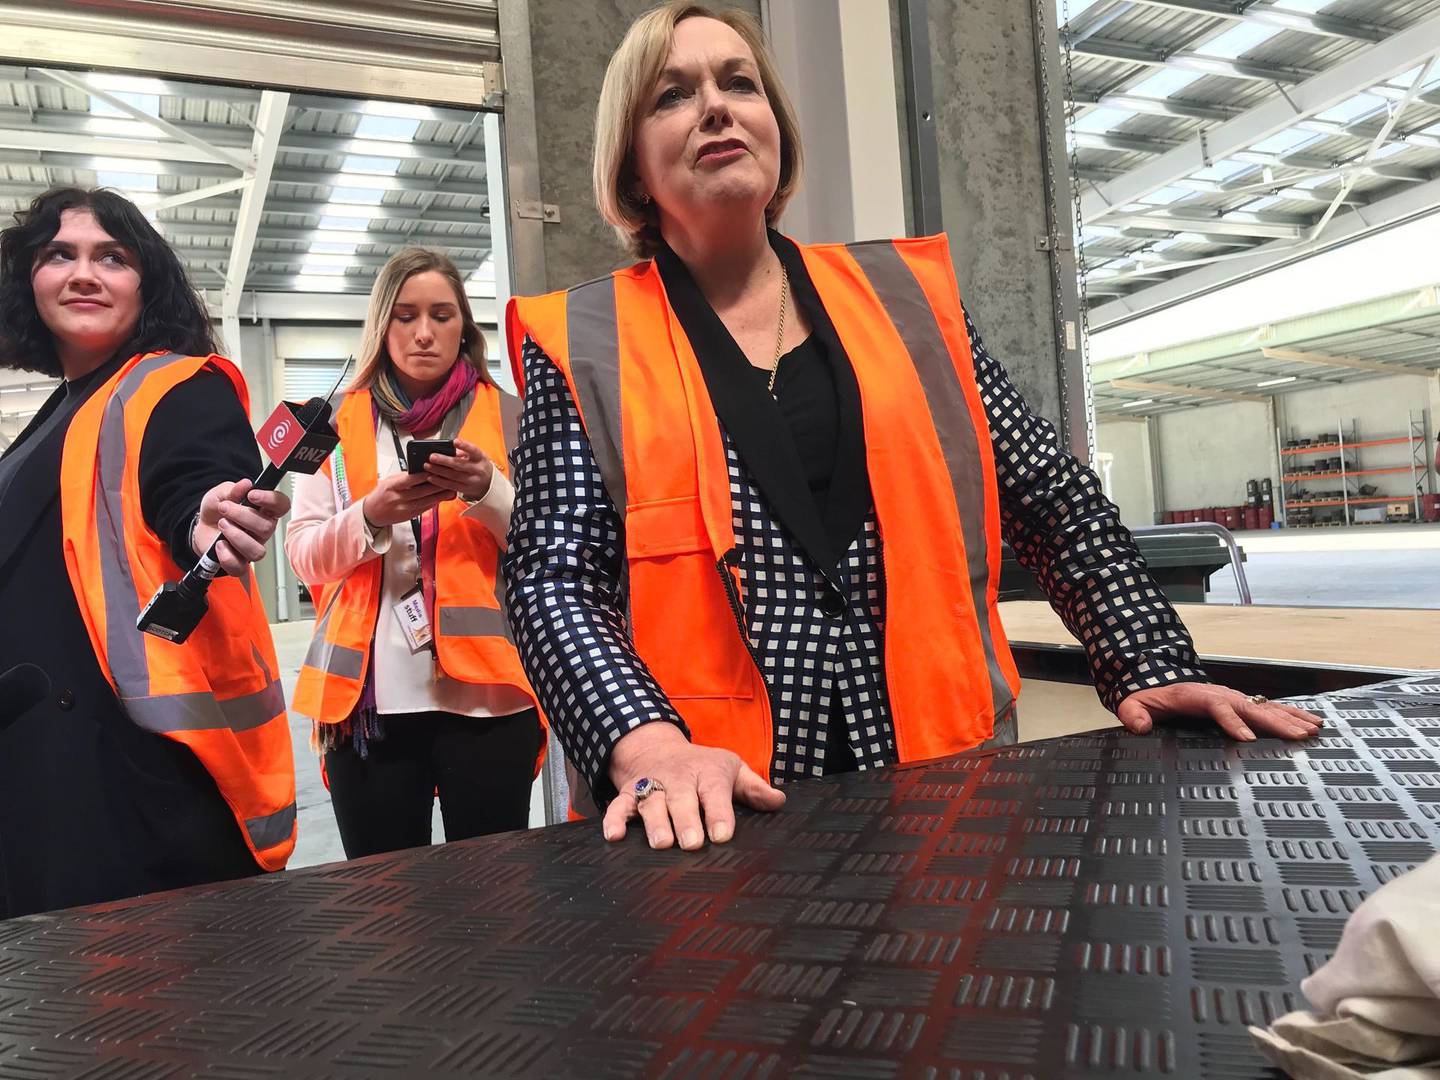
(92,807)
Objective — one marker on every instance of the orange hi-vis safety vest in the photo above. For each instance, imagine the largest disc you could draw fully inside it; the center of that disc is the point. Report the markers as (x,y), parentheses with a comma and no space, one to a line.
(219,693)
(656,439)
(472,633)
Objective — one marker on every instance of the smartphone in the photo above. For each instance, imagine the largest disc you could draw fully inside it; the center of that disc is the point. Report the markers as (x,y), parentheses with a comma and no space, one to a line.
(418,451)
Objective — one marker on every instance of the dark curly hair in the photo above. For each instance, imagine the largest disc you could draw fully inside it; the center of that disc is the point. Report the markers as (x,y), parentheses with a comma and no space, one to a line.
(172,315)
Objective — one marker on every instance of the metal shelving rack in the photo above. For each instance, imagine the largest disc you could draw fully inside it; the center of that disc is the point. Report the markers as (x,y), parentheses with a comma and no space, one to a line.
(1349,446)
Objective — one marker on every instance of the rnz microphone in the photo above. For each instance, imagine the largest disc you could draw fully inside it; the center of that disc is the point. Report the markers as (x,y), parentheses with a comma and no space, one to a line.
(21,688)
(296,438)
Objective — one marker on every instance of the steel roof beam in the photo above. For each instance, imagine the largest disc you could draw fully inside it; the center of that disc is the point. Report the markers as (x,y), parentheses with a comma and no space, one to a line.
(236,161)
(98,146)
(320,178)
(1264,15)
(1210,65)
(1229,225)
(1128,144)
(269,126)
(369,211)
(1156,106)
(1391,57)
(237,137)
(287,234)
(1145,386)
(1352,362)
(1410,202)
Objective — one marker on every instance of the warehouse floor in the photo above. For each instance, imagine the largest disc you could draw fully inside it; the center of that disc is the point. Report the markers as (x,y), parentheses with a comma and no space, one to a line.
(1372,566)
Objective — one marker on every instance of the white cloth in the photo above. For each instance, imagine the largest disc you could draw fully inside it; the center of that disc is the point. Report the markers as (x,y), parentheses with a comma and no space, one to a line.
(1378,999)
(324,545)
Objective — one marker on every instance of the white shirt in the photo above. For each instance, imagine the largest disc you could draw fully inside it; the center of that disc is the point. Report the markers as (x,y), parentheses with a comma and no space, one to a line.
(324,545)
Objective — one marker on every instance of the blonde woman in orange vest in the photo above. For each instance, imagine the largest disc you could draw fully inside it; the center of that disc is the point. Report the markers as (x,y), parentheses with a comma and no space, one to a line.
(763,485)
(411,678)
(143,765)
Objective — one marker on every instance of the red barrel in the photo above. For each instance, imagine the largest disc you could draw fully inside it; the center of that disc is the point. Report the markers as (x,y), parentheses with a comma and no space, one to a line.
(1430,507)
(1267,517)
(1232,517)
(1252,517)
(1168,517)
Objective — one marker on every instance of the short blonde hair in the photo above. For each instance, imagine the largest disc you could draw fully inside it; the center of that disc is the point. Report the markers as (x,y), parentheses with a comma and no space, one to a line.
(632,71)
(398,269)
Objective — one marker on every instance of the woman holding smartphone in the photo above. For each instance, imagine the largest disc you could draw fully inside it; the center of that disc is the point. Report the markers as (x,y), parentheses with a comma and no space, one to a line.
(411,678)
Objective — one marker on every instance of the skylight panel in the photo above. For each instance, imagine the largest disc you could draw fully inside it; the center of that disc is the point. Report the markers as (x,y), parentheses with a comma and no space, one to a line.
(1308,7)
(1221,171)
(346,194)
(1352,109)
(1167,195)
(1389,150)
(330,247)
(1286,142)
(378,166)
(1165,83)
(386,127)
(127,165)
(1102,119)
(127,181)
(1238,40)
(146,103)
(1262,204)
(125,84)
(344,224)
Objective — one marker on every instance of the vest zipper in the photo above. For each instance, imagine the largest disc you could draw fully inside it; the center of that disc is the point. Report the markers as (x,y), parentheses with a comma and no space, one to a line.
(738,610)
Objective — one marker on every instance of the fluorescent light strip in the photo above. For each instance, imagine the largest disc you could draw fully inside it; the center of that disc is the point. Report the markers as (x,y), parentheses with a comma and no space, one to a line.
(1279,382)
(1137,404)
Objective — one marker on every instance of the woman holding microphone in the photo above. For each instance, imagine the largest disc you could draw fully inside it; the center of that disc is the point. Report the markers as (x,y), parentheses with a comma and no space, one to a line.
(149,765)
(411,678)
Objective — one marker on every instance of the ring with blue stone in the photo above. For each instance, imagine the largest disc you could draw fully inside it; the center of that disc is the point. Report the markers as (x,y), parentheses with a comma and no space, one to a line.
(645,787)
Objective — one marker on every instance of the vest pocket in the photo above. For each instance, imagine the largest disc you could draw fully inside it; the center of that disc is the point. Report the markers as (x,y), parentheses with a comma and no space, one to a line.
(681,620)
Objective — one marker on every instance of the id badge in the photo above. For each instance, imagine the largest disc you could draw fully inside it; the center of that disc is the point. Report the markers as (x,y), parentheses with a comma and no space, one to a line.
(413,620)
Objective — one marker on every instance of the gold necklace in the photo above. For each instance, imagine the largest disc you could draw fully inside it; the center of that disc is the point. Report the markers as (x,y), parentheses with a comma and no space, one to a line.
(780,330)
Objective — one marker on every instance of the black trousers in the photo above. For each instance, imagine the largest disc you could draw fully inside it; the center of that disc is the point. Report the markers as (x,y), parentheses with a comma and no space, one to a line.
(481,767)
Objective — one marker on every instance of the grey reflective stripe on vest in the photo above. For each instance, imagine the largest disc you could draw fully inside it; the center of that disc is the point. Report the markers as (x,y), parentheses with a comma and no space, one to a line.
(124,645)
(458,622)
(338,660)
(266,832)
(594,347)
(509,420)
(200,711)
(904,301)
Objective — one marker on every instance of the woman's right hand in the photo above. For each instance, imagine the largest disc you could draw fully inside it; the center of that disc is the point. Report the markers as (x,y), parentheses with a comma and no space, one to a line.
(400,497)
(694,781)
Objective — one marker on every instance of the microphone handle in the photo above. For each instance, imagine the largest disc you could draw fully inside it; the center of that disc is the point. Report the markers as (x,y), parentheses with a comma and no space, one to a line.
(197,579)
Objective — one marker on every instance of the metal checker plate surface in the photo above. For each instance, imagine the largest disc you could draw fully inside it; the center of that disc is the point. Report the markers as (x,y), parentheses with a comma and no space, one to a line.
(1097,906)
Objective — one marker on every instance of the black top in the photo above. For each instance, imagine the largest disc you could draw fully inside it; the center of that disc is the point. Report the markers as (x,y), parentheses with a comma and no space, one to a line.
(764,432)
(805,392)
(92,807)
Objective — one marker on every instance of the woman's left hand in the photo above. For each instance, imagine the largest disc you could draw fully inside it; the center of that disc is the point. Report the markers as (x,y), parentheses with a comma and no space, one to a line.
(243,519)
(1236,714)
(468,473)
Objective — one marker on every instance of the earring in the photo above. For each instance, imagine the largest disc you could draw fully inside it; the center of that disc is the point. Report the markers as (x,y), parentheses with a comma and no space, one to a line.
(645,197)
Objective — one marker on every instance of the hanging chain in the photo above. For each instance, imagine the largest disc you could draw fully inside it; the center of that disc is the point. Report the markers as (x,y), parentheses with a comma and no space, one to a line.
(1056,241)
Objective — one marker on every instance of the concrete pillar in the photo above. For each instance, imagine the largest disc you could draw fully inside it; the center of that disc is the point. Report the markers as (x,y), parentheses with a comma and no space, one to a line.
(994,191)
